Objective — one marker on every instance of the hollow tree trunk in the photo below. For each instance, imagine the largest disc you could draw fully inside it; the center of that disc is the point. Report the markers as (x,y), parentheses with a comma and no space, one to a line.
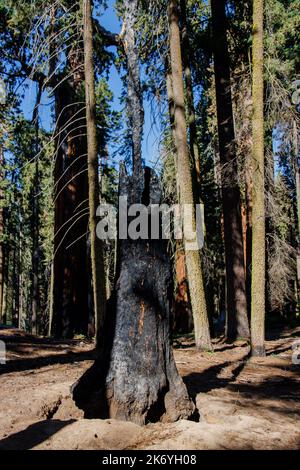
(185,184)
(137,379)
(237,320)
(258,208)
(70,279)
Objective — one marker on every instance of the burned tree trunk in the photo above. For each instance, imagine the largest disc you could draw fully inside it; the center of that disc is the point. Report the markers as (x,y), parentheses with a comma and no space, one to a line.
(137,379)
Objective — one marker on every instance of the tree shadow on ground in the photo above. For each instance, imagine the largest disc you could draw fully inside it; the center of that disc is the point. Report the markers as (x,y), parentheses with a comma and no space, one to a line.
(26,338)
(280,333)
(260,407)
(279,349)
(33,435)
(226,347)
(209,380)
(20,365)
(274,387)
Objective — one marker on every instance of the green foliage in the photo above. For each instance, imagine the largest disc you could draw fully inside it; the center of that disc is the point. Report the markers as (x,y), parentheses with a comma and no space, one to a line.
(20,160)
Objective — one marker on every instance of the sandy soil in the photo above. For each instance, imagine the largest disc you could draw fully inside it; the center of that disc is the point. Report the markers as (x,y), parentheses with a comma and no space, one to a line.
(243,403)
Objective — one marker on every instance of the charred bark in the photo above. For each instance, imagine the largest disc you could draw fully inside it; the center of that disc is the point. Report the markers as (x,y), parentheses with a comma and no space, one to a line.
(136,379)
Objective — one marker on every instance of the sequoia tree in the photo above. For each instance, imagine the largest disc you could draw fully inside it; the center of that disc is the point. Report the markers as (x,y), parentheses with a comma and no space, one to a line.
(237,320)
(70,269)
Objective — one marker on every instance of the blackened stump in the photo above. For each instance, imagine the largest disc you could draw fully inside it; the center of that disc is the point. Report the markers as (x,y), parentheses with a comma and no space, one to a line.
(135,378)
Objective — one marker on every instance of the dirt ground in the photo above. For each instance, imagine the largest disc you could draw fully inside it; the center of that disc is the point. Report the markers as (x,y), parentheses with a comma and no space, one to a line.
(243,403)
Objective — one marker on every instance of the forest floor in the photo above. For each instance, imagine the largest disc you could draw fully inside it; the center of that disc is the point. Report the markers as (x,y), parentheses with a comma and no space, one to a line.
(243,403)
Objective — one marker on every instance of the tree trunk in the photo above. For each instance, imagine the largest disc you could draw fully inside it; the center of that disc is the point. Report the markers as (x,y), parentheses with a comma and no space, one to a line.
(248,189)
(135,110)
(183,318)
(237,321)
(15,281)
(21,324)
(297,186)
(185,184)
(97,257)
(135,377)
(194,149)
(35,254)
(1,236)
(35,288)
(5,284)
(70,281)
(258,208)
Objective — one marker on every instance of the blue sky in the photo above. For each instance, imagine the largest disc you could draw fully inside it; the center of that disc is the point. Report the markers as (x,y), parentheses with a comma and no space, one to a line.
(150,149)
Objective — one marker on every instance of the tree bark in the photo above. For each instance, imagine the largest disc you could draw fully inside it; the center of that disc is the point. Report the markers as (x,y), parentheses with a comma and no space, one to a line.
(194,148)
(186,197)
(135,110)
(1,236)
(258,208)
(237,321)
(35,255)
(248,189)
(70,281)
(183,318)
(137,379)
(97,256)
(297,186)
